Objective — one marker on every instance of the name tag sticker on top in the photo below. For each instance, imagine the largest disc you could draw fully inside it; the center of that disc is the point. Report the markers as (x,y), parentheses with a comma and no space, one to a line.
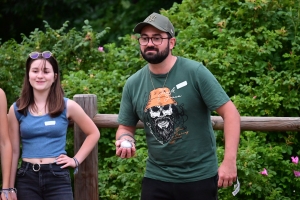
(182,84)
(50,123)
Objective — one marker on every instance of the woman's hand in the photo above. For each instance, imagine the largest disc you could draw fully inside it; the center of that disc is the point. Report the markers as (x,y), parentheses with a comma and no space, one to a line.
(66,161)
(9,195)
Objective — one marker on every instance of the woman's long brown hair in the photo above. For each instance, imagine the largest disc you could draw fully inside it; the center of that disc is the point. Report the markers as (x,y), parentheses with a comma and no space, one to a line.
(55,99)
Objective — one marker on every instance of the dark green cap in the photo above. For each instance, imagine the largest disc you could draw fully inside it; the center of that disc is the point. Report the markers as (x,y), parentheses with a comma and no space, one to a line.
(158,21)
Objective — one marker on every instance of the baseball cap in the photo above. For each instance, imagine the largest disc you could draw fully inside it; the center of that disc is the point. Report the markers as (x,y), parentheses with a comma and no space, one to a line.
(158,21)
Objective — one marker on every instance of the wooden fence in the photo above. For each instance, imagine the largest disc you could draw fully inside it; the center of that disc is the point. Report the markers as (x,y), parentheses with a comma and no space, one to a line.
(86,181)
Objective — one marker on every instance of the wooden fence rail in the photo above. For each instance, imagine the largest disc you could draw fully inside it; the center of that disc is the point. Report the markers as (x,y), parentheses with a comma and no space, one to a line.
(86,181)
(247,123)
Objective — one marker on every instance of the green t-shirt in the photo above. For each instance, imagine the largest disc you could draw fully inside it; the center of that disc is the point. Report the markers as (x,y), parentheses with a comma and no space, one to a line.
(176,116)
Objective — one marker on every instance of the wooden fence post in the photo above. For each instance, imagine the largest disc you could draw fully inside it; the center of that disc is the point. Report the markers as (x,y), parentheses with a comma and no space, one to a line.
(86,181)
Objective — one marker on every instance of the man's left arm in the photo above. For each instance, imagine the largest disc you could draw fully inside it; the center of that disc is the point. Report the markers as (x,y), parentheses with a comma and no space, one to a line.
(228,170)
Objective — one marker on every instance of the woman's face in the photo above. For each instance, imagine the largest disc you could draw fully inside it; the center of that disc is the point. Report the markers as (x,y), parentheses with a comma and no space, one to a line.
(41,75)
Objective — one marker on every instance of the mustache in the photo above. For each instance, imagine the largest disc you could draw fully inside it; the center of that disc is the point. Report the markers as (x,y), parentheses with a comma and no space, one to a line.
(150,49)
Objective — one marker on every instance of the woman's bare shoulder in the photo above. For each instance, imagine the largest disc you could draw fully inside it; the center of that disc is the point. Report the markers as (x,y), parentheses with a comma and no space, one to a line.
(2,94)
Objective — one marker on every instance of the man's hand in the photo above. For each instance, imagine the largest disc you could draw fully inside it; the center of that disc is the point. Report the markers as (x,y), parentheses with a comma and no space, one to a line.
(227,173)
(124,152)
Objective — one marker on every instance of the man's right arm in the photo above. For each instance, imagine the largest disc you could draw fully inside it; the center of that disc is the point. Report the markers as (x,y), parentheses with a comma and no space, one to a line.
(125,133)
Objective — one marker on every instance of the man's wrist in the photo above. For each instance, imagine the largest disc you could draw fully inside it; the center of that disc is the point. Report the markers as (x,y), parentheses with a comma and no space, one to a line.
(131,139)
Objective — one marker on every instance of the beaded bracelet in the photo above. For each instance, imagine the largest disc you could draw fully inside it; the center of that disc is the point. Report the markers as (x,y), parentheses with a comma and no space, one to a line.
(127,134)
(13,190)
(77,164)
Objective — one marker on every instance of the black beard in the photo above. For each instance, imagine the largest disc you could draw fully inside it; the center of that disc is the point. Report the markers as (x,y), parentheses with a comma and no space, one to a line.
(164,134)
(156,58)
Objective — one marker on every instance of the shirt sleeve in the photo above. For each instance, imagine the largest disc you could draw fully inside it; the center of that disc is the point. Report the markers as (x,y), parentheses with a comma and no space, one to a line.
(211,91)
(127,114)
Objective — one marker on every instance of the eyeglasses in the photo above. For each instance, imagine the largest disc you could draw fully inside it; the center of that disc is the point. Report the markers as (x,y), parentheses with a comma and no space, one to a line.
(45,54)
(155,40)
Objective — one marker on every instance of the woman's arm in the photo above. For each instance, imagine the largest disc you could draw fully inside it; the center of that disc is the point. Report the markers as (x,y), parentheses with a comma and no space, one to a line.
(6,148)
(15,141)
(86,124)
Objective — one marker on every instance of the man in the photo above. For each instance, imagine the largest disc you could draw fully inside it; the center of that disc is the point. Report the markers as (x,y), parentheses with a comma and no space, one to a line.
(174,98)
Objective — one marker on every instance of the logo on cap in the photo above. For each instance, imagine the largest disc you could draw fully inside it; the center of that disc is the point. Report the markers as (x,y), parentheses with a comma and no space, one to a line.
(151,18)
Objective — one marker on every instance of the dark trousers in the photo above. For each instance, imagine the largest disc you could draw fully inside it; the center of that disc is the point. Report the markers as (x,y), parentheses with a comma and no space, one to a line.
(43,182)
(206,189)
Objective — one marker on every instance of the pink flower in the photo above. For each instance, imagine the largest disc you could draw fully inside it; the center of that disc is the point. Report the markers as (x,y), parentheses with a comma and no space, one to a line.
(101,49)
(295,159)
(297,173)
(264,172)
(78,60)
(254,97)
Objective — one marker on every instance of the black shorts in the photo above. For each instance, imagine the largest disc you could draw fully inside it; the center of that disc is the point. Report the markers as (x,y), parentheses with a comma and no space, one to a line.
(206,189)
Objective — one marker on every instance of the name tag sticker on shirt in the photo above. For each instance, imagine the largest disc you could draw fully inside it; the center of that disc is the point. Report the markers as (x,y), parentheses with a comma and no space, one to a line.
(182,84)
(50,123)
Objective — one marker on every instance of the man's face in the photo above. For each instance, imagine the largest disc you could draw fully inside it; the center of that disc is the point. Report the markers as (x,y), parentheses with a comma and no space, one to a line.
(154,53)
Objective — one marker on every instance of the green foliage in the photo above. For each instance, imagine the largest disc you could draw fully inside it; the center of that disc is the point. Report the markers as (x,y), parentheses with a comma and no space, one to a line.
(120,15)
(255,154)
(121,178)
(252,47)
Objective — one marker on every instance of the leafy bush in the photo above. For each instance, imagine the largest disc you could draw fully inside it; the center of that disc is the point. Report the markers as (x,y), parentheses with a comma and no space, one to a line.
(121,178)
(256,154)
(252,47)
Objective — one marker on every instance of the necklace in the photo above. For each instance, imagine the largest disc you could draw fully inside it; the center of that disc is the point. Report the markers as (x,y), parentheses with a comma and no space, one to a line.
(40,112)
(152,81)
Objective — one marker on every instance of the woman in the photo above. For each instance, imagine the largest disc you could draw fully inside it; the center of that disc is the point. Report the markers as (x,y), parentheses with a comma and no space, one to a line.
(6,151)
(40,118)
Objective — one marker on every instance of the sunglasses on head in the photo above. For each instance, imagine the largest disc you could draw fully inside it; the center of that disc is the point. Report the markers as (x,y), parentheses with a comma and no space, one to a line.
(45,54)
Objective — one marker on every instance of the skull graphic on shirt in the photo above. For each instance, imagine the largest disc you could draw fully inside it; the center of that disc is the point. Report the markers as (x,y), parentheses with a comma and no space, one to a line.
(160,108)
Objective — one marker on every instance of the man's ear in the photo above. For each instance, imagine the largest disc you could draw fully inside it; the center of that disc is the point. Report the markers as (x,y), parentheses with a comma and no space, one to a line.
(172,42)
